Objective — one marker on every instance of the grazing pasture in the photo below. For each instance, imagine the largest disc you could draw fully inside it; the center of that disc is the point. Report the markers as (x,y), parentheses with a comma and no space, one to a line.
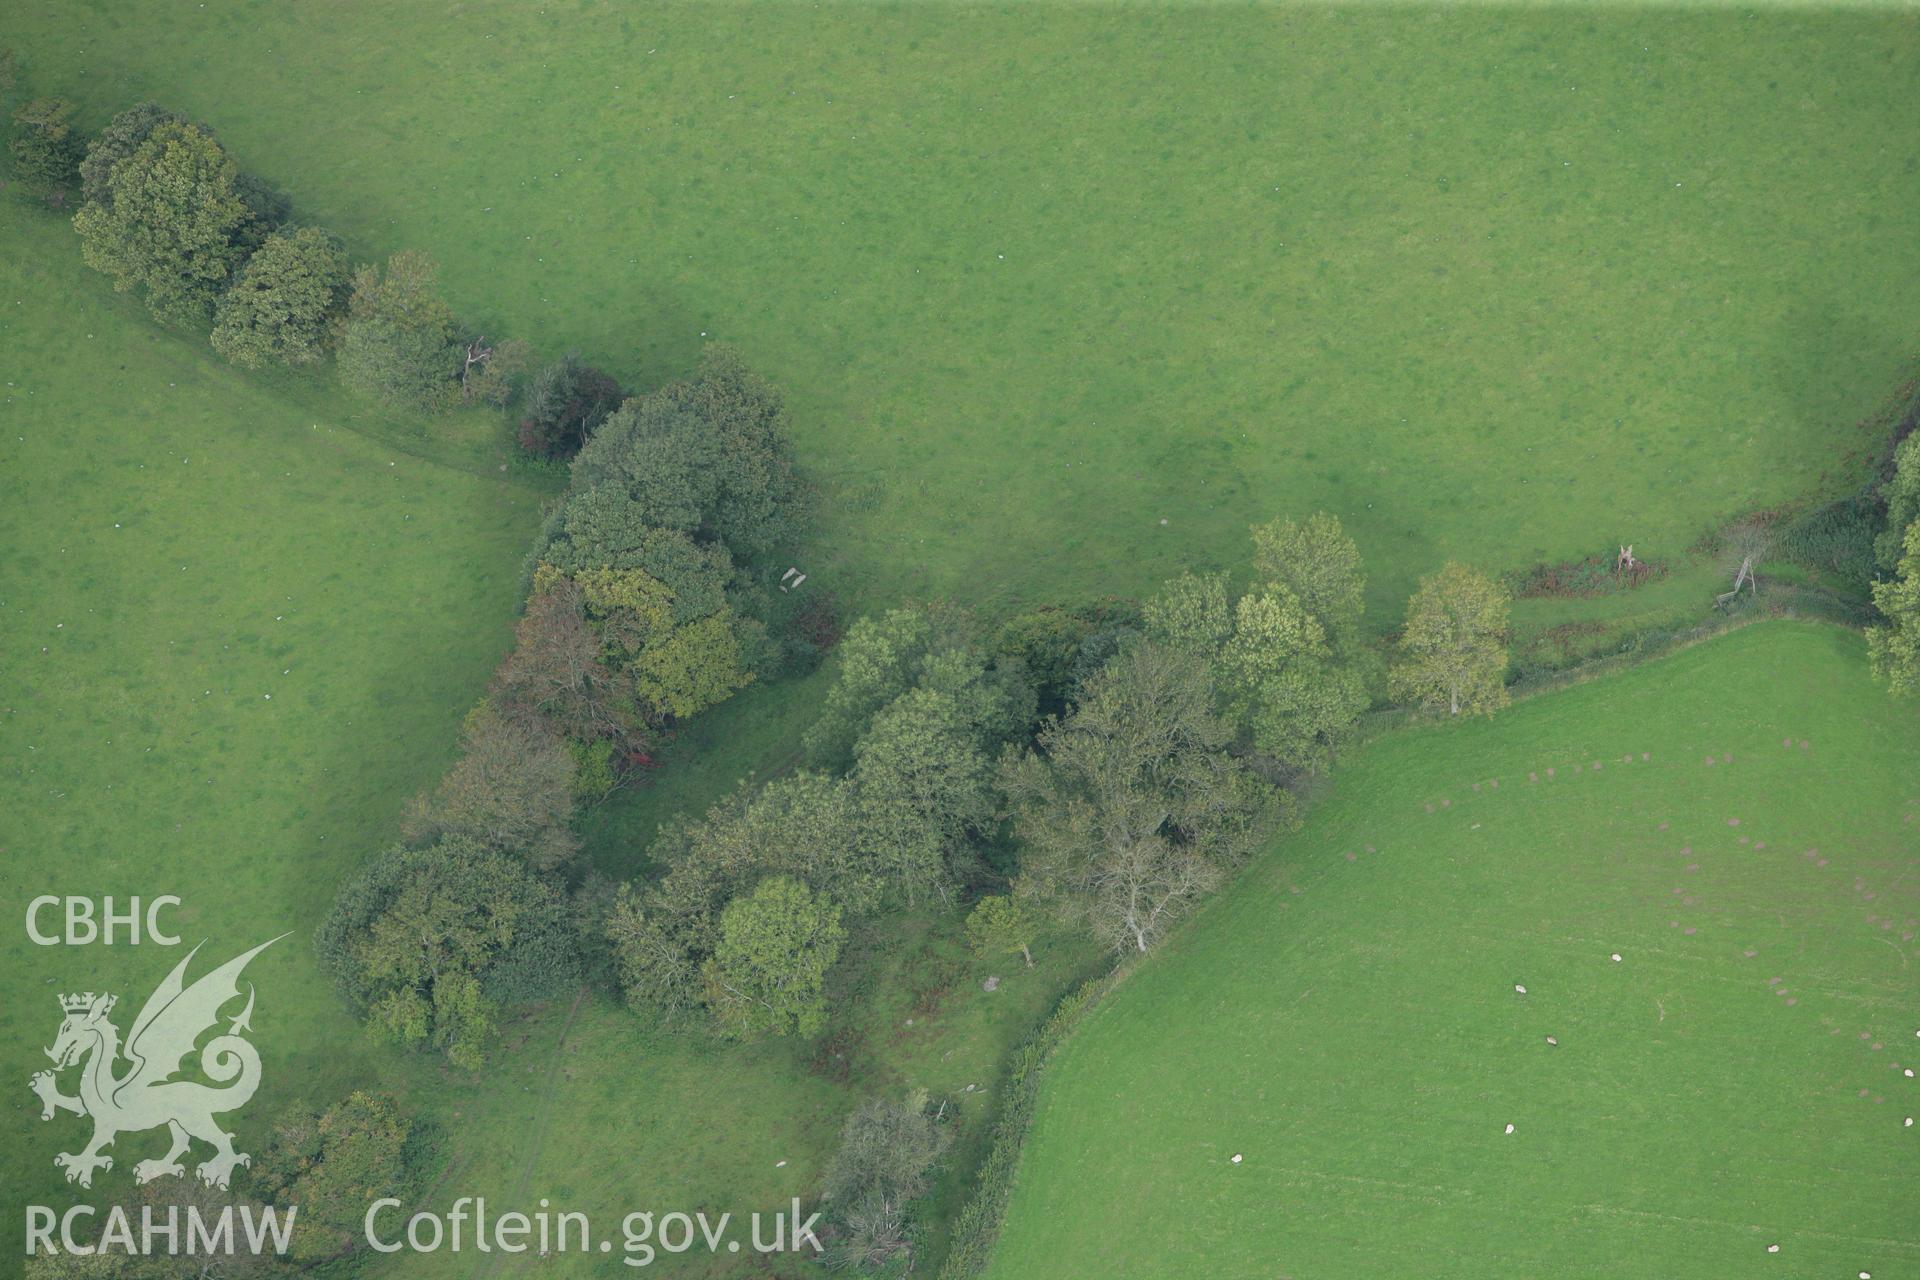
(239,633)
(1064,298)
(1067,296)
(1701,873)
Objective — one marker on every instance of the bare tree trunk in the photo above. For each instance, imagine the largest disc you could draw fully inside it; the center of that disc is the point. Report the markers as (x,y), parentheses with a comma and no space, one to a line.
(1028,954)
(477,353)
(1745,578)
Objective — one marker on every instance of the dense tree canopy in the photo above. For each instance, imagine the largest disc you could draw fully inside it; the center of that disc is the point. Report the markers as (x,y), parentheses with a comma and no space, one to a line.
(674,641)
(663,496)
(557,671)
(512,791)
(1317,561)
(1133,808)
(709,455)
(282,306)
(691,668)
(882,658)
(1893,646)
(1282,682)
(1454,647)
(1191,613)
(768,971)
(432,943)
(173,226)
(397,341)
(120,139)
(802,826)
(656,967)
(923,787)
(898,827)
(333,1165)
(600,528)
(46,148)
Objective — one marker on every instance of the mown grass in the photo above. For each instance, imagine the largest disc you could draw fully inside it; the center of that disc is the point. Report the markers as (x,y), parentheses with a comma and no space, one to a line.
(1066,296)
(1345,1018)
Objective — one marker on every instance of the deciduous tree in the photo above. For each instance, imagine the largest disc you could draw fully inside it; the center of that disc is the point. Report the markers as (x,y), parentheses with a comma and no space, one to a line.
(1893,646)
(556,670)
(768,971)
(709,455)
(46,149)
(173,225)
(432,943)
(1191,613)
(1282,681)
(1454,648)
(999,925)
(511,791)
(333,1165)
(654,963)
(679,660)
(882,658)
(1279,681)
(922,788)
(1133,808)
(397,341)
(285,301)
(691,668)
(802,826)
(120,139)
(1320,564)
(1902,495)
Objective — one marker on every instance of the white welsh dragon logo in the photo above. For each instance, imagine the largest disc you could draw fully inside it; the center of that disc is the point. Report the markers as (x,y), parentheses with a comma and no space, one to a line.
(146,1096)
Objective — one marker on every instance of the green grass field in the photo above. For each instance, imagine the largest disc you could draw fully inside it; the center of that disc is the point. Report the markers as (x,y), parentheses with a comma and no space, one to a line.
(1345,1018)
(238,634)
(1066,296)
(242,633)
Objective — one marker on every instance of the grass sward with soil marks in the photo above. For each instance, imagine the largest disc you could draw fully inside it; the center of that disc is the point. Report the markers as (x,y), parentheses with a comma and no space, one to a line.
(1734,822)
(1066,296)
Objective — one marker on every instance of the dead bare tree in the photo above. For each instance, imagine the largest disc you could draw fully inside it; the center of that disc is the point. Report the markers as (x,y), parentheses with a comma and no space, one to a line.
(1743,548)
(478,353)
(490,370)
